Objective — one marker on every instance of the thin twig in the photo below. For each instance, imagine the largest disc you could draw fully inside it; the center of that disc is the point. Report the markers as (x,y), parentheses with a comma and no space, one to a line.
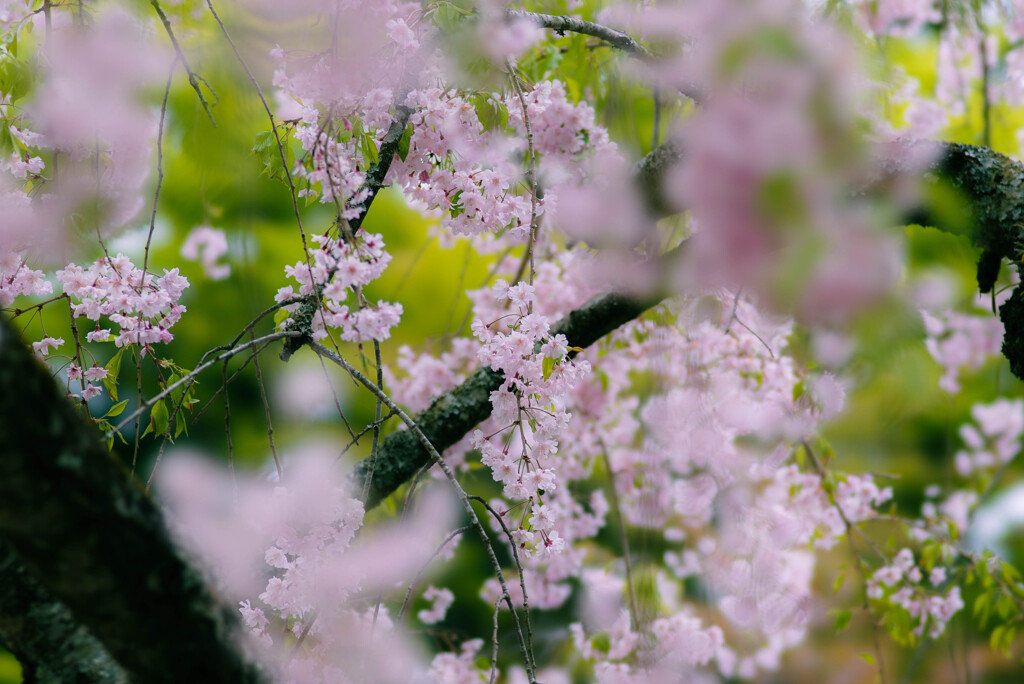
(531,176)
(138,402)
(193,78)
(305,632)
(634,612)
(266,411)
(227,431)
(159,166)
(273,127)
(419,575)
(376,422)
(199,369)
(519,569)
(856,558)
(494,642)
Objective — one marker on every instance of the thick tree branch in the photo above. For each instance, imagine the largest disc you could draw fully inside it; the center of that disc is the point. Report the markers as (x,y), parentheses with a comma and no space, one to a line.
(43,634)
(453,414)
(979,193)
(90,536)
(973,191)
(377,173)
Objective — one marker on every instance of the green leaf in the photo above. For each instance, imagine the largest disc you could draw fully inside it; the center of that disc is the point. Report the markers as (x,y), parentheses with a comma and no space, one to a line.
(263,142)
(1002,638)
(404,142)
(113,370)
(838,583)
(117,409)
(868,658)
(180,424)
(266,151)
(370,153)
(842,619)
(1006,607)
(177,392)
(549,365)
(159,417)
(981,608)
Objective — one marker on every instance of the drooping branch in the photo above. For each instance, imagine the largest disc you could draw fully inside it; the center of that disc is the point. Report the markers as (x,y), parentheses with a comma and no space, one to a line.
(86,531)
(618,39)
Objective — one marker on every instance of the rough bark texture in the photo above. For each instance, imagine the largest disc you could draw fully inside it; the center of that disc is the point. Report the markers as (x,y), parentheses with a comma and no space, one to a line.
(86,531)
(52,646)
(979,193)
(562,24)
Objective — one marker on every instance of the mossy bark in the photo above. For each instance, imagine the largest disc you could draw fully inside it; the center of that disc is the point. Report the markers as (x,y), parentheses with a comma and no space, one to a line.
(87,532)
(41,632)
(977,192)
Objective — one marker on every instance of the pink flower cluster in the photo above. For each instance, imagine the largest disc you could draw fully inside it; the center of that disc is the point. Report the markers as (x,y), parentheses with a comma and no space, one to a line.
(995,439)
(957,340)
(333,170)
(339,100)
(336,269)
(294,544)
(16,278)
(900,584)
(460,668)
(22,166)
(207,245)
(469,173)
(819,519)
(445,168)
(560,129)
(529,406)
(145,307)
(425,377)
(440,601)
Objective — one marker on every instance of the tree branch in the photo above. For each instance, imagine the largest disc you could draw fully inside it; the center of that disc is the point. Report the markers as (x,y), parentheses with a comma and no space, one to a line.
(977,192)
(453,414)
(43,634)
(90,536)
(561,24)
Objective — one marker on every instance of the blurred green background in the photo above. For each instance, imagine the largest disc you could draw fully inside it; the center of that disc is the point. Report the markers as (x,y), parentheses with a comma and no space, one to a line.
(898,423)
